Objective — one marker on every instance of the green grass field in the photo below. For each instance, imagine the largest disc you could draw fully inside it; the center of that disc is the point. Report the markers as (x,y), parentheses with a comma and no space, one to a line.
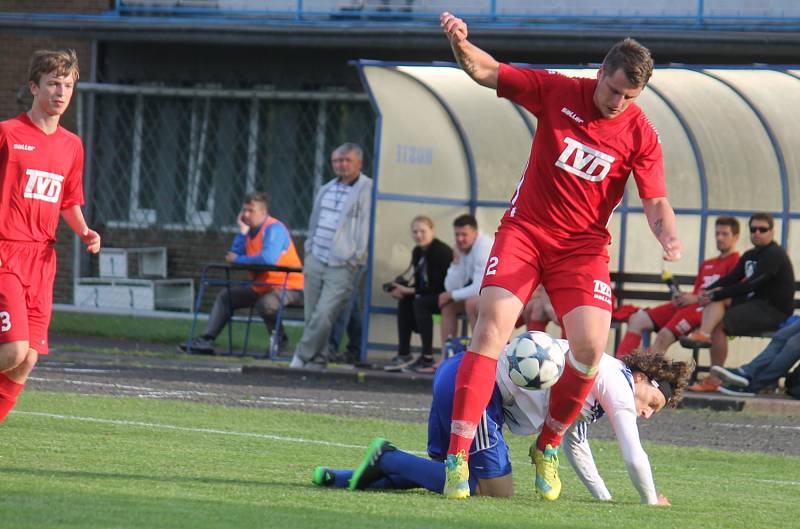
(91,462)
(158,330)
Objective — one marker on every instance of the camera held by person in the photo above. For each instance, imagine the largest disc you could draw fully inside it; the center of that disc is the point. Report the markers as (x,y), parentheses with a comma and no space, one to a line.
(399,280)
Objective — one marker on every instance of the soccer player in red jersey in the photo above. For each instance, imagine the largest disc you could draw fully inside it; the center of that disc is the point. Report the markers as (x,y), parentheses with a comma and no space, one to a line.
(682,313)
(590,137)
(41,176)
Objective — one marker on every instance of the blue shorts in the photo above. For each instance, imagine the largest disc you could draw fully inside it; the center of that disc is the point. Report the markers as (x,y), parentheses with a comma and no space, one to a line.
(488,455)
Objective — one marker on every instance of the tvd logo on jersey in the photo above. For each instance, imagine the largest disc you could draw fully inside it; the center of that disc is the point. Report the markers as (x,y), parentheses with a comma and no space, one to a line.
(602,291)
(584,162)
(43,185)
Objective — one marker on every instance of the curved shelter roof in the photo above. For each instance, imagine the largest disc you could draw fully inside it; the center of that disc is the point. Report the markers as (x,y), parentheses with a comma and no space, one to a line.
(445,146)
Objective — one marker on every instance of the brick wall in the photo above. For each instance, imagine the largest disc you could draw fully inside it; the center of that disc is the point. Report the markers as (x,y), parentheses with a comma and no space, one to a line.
(57,6)
(187,252)
(15,96)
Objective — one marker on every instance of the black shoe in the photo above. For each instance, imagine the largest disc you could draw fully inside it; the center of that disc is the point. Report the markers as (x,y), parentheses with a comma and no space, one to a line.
(345,357)
(369,470)
(199,345)
(399,363)
(424,364)
(695,340)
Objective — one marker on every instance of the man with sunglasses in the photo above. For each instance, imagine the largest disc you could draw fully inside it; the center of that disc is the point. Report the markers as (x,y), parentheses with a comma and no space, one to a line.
(757,296)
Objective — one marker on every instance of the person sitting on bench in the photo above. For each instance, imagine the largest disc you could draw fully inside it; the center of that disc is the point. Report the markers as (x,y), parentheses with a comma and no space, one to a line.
(679,316)
(263,240)
(756,297)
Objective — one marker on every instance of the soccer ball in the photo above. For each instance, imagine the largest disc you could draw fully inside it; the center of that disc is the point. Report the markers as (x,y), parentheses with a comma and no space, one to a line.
(535,360)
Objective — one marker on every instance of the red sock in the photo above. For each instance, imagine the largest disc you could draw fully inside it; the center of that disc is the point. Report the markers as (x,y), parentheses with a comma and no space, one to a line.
(8,395)
(629,342)
(566,401)
(536,325)
(474,386)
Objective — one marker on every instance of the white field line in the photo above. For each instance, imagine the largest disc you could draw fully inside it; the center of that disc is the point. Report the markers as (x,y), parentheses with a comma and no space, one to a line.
(755,426)
(268,437)
(93,384)
(778,481)
(87,370)
(159,426)
(153,393)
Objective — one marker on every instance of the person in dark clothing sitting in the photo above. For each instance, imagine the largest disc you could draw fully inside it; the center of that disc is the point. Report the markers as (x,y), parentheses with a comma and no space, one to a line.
(418,301)
(755,297)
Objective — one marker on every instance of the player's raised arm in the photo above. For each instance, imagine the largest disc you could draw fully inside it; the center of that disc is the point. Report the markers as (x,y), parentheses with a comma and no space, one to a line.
(478,64)
(661,219)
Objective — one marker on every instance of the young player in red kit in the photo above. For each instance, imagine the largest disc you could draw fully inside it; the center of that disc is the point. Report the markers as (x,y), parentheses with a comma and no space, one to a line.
(682,314)
(590,137)
(41,176)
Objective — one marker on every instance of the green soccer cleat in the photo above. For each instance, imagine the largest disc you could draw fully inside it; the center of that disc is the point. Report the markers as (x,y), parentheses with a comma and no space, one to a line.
(369,470)
(456,480)
(323,477)
(548,484)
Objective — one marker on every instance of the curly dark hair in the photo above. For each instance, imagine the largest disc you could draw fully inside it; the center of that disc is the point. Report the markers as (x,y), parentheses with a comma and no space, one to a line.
(656,367)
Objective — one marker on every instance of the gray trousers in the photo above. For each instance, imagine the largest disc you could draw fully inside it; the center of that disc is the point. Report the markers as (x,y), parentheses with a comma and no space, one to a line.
(775,360)
(326,294)
(266,306)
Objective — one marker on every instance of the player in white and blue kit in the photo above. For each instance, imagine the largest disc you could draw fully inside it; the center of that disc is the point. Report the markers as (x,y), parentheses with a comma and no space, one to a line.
(638,386)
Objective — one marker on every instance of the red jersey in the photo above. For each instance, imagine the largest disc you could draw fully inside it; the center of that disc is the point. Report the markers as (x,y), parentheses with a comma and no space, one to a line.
(712,269)
(40,175)
(579,161)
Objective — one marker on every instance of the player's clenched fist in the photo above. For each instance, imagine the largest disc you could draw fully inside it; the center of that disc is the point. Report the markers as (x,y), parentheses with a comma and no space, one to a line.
(454,27)
(91,239)
(673,249)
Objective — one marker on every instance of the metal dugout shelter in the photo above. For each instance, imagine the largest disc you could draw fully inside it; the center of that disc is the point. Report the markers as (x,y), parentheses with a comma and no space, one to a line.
(445,145)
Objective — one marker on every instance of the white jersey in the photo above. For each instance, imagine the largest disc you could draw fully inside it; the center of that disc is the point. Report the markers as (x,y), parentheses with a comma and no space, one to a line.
(611,395)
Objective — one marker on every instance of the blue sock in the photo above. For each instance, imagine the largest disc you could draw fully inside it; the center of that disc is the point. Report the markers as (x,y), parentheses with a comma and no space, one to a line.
(404,471)
(407,470)
(341,478)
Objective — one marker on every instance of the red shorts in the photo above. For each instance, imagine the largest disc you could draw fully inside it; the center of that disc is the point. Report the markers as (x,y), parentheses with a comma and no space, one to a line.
(26,292)
(679,320)
(575,274)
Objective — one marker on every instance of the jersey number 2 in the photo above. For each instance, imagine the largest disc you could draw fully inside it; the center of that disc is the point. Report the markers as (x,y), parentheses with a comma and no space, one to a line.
(491,267)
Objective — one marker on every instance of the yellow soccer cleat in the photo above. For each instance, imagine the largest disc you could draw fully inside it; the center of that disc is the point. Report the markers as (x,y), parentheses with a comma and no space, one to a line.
(548,484)
(456,476)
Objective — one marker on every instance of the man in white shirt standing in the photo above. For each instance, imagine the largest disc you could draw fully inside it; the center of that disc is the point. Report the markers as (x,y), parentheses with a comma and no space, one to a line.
(338,235)
(463,281)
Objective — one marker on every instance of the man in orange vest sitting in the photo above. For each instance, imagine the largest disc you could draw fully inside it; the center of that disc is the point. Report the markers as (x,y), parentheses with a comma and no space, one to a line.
(263,240)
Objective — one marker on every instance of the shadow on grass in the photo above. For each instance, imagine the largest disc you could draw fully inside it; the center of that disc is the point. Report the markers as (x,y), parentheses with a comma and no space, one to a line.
(83,475)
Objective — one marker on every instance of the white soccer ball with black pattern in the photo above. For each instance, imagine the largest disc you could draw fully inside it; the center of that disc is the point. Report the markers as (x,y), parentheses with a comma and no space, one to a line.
(535,360)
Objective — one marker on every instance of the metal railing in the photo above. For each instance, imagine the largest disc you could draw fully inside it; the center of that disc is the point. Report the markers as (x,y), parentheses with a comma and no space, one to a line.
(181,159)
(778,13)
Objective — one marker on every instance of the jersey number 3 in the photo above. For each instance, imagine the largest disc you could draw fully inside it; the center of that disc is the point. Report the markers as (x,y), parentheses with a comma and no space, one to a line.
(5,321)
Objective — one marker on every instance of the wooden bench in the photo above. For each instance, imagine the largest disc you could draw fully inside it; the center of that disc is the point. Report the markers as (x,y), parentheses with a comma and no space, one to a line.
(628,288)
(625,292)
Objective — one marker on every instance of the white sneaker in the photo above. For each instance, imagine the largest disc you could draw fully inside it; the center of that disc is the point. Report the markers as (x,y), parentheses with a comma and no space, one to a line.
(731,376)
(297,363)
